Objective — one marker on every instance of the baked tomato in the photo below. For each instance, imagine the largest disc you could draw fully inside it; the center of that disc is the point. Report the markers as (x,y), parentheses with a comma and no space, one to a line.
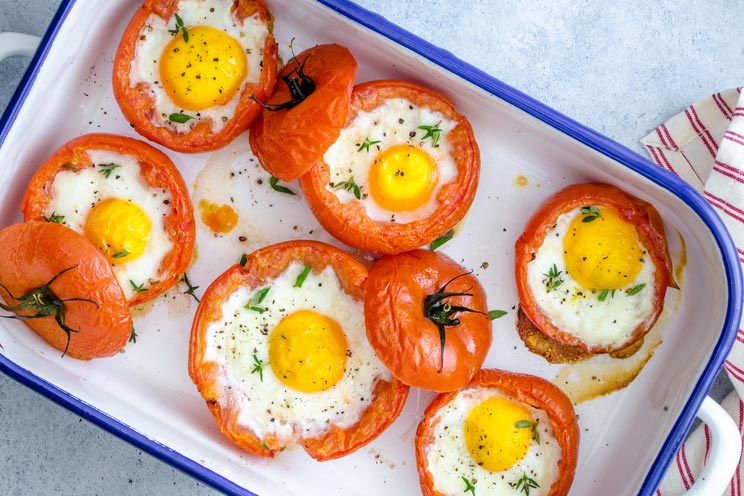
(427,319)
(306,112)
(63,288)
(592,267)
(128,199)
(403,171)
(504,433)
(186,76)
(279,353)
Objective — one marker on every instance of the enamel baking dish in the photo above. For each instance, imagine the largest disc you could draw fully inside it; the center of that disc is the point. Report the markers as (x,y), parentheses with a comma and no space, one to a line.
(529,151)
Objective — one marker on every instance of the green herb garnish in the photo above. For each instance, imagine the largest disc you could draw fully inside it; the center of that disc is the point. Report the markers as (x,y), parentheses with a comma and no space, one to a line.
(635,289)
(69,167)
(256,300)
(120,254)
(350,186)
(526,424)
(107,169)
(243,260)
(180,118)
(496,314)
(57,219)
(432,132)
(441,240)
(525,484)
(553,278)
(137,288)
(180,28)
(468,486)
(258,367)
(303,275)
(591,213)
(274,183)
(189,287)
(367,143)
(133,336)
(605,293)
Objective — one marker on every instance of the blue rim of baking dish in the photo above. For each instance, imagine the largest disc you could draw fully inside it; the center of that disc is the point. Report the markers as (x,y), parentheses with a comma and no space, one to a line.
(558,121)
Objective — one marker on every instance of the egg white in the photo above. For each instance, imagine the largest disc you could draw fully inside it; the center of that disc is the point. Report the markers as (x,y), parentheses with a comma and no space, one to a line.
(449,460)
(75,193)
(267,406)
(395,122)
(145,68)
(577,310)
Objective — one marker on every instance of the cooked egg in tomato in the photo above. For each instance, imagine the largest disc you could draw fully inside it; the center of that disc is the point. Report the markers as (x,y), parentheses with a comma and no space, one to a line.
(397,171)
(593,277)
(495,442)
(294,357)
(197,63)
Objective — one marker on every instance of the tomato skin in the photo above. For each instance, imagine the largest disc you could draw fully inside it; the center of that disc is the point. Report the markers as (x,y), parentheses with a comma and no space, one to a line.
(528,389)
(35,252)
(157,170)
(263,265)
(405,340)
(289,142)
(649,228)
(136,104)
(350,224)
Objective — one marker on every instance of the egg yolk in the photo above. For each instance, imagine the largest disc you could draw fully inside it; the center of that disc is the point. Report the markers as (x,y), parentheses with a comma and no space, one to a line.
(402,178)
(494,435)
(307,351)
(203,72)
(601,250)
(219,218)
(119,228)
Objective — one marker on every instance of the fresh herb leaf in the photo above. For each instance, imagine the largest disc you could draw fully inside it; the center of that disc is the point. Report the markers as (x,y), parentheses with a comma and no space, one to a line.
(69,167)
(303,275)
(258,367)
(133,336)
(468,486)
(525,424)
(243,260)
(432,132)
(189,287)
(635,289)
(274,183)
(107,169)
(367,143)
(591,213)
(553,278)
(441,240)
(180,28)
(256,300)
(137,288)
(350,186)
(265,446)
(525,484)
(603,295)
(496,314)
(120,254)
(180,118)
(56,218)
(261,295)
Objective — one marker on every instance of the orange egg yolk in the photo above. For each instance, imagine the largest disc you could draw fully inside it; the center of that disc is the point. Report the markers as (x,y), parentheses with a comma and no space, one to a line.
(498,433)
(219,218)
(601,250)
(402,178)
(119,228)
(307,351)
(203,72)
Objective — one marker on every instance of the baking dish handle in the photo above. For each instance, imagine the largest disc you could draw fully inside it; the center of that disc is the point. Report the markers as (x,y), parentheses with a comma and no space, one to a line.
(12,44)
(723,458)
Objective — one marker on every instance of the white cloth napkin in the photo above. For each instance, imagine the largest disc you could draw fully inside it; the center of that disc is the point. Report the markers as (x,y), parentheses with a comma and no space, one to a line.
(704,145)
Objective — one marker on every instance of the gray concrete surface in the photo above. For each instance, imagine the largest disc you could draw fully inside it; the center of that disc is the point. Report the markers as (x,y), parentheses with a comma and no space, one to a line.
(618,67)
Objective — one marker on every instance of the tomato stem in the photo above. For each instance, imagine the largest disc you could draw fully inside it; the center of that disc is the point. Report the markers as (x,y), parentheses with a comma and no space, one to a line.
(44,303)
(442,313)
(300,86)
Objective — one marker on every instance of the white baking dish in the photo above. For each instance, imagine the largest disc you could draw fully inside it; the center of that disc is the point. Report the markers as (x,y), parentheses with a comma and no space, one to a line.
(145,395)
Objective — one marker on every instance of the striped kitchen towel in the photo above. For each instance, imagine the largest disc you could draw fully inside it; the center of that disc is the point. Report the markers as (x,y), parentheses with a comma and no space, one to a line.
(704,145)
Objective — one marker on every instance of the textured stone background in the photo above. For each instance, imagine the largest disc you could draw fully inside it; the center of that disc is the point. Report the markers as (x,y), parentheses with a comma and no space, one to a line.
(618,67)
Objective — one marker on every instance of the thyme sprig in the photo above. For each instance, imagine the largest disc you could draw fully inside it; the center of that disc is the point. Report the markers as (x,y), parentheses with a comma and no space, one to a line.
(43,302)
(138,288)
(303,275)
(351,186)
(257,299)
(107,169)
(553,279)
(526,424)
(635,289)
(133,335)
(180,118)
(469,486)
(190,288)
(442,239)
(274,183)
(300,85)
(432,132)
(55,217)
(591,214)
(258,366)
(367,143)
(443,313)
(526,483)
(180,28)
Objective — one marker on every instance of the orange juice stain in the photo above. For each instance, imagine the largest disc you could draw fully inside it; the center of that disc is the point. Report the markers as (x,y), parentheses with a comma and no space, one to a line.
(219,218)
